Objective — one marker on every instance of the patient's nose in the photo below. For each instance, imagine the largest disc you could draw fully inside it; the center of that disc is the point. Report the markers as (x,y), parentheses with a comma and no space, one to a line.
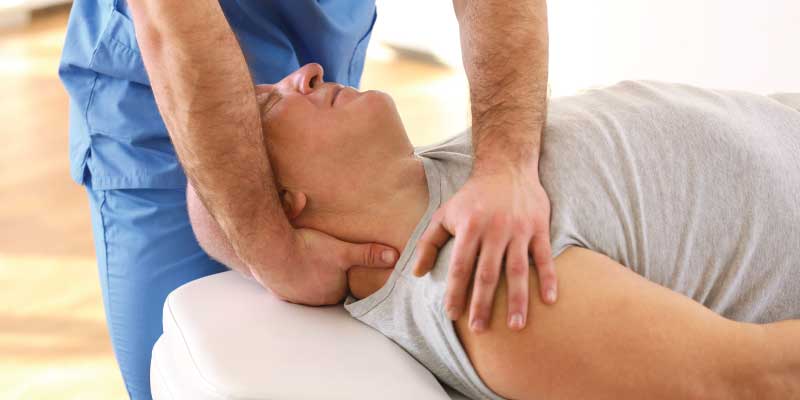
(309,77)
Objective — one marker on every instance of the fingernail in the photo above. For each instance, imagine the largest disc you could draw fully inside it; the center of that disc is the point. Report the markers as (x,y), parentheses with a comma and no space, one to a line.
(478,325)
(387,256)
(551,295)
(515,322)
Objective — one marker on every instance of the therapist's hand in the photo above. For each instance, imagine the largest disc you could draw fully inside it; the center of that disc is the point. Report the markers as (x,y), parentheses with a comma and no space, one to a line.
(318,264)
(494,217)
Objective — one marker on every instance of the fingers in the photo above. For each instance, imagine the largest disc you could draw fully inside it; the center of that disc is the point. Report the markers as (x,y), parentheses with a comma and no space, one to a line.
(461,267)
(517,271)
(487,275)
(545,267)
(434,237)
(368,255)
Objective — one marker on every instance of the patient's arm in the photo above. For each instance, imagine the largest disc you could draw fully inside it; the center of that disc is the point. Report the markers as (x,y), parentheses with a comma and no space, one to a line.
(615,335)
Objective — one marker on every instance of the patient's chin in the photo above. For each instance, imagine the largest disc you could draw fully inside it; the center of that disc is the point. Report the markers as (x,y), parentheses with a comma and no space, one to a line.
(364,281)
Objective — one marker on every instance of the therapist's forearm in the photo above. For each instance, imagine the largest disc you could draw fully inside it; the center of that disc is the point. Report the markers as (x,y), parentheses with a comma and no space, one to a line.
(505,54)
(206,96)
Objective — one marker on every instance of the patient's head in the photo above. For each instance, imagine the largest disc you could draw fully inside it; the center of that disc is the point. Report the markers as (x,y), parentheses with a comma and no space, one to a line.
(336,147)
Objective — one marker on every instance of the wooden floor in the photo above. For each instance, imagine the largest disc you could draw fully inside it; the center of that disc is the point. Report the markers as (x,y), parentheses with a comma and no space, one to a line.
(53,340)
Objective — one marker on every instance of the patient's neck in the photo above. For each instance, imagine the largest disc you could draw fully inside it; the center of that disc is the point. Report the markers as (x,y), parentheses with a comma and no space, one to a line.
(389,217)
(390,221)
(385,213)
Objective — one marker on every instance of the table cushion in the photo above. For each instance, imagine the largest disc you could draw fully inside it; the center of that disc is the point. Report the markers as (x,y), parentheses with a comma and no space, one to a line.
(225,337)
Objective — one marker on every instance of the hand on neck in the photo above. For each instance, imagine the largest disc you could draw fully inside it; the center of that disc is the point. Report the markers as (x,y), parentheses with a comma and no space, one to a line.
(385,212)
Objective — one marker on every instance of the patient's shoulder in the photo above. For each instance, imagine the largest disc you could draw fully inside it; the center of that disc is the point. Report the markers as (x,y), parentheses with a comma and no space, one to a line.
(460,143)
(533,358)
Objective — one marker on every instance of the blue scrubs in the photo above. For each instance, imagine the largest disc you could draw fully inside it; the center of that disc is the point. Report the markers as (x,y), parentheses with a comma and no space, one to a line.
(120,150)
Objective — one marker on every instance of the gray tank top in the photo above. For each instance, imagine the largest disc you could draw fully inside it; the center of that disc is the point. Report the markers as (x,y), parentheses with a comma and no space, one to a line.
(696,190)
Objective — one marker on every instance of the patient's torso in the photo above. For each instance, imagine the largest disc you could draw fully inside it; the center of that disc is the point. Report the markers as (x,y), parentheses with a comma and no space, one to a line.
(696,190)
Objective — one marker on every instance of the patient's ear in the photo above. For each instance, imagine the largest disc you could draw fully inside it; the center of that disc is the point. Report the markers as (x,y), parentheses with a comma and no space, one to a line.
(293,203)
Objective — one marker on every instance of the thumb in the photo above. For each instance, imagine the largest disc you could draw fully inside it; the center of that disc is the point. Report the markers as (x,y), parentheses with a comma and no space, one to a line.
(428,245)
(370,255)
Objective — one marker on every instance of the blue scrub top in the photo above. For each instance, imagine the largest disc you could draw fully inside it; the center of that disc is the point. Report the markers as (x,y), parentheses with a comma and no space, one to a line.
(117,137)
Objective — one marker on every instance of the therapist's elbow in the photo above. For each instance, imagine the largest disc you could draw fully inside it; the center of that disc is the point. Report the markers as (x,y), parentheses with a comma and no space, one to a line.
(209,234)
(205,228)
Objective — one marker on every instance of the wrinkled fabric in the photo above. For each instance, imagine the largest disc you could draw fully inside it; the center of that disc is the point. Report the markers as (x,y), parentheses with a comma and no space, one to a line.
(696,190)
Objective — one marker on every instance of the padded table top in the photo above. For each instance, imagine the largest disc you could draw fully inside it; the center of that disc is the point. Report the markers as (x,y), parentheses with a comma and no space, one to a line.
(225,337)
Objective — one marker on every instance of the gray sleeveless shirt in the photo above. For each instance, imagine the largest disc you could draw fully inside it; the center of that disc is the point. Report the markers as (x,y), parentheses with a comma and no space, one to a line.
(696,190)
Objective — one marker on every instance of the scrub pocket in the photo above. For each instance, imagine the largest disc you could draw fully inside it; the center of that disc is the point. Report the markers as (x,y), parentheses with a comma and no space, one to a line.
(117,53)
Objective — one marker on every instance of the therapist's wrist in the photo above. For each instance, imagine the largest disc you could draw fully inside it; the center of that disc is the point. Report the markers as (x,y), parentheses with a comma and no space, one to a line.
(265,246)
(511,148)
(524,169)
(295,269)
(525,166)
(268,263)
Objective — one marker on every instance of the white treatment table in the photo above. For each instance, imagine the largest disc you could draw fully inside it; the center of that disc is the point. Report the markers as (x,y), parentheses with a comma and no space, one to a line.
(227,338)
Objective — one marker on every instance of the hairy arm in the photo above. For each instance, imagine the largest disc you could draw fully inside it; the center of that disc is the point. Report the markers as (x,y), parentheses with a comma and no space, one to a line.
(505,54)
(615,335)
(501,215)
(361,283)
(207,98)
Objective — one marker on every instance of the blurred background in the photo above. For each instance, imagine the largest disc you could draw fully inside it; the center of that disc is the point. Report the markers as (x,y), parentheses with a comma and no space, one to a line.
(53,339)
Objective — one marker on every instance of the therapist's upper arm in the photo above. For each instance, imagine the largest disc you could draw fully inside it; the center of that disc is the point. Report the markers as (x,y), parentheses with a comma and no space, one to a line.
(614,335)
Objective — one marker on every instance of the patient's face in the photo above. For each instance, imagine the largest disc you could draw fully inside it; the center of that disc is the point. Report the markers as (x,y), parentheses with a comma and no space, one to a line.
(325,139)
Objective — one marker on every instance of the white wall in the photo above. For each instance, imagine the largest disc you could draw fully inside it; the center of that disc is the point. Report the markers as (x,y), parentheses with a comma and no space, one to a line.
(15,13)
(751,45)
(748,45)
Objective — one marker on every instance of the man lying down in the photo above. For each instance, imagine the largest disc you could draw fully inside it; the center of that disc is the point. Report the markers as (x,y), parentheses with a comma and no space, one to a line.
(675,228)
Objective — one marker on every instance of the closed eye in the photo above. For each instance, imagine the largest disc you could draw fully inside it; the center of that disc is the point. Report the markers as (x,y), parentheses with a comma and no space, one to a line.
(272,98)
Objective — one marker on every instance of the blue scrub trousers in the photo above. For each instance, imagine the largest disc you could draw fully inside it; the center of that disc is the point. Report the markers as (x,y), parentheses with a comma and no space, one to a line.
(145,249)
